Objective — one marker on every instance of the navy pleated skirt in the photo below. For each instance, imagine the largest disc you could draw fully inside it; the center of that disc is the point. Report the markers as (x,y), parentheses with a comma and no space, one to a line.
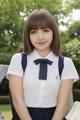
(42,113)
(38,113)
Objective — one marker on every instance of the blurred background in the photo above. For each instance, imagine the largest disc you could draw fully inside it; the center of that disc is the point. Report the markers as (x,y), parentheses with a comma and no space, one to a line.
(12,18)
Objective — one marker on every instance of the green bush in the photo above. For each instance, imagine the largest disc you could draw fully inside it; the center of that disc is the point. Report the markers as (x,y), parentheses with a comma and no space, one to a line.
(4,87)
(76,94)
(72,50)
(4,100)
(5,58)
(76,85)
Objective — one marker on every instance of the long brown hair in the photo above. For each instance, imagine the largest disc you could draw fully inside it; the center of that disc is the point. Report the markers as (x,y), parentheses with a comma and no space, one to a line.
(41,18)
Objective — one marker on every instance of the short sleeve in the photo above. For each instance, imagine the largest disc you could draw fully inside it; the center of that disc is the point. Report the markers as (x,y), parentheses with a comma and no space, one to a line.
(15,67)
(69,70)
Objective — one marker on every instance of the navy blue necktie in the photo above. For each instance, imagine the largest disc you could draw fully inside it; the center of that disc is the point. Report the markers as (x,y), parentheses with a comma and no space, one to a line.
(43,67)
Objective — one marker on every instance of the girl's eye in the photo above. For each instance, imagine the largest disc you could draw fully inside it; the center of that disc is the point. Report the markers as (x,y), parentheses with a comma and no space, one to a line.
(33,31)
(46,30)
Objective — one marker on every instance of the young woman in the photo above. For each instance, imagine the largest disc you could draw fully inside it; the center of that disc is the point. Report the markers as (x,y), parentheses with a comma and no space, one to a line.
(39,94)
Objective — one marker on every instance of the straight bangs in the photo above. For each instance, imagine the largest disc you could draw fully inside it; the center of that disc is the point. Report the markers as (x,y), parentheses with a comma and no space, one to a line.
(39,21)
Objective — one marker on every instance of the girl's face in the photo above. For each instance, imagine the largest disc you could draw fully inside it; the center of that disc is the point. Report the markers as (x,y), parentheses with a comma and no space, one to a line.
(41,38)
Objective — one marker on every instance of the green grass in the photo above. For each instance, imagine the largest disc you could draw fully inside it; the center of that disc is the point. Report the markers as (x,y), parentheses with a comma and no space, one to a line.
(4,108)
(6,111)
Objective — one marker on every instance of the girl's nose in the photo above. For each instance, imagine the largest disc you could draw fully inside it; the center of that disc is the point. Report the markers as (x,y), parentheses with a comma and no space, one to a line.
(40,35)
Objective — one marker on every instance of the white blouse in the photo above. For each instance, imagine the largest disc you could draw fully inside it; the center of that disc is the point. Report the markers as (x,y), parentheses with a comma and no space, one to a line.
(41,93)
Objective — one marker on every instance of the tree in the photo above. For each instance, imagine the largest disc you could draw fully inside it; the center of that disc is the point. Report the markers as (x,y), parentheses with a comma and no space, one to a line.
(11,24)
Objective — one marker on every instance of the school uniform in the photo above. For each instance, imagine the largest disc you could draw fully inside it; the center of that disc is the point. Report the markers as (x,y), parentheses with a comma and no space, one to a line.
(40,94)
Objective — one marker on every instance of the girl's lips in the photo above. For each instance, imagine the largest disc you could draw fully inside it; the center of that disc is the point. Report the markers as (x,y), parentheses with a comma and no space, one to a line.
(41,43)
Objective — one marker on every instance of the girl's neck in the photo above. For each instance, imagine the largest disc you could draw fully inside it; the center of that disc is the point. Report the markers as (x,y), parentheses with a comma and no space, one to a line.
(43,53)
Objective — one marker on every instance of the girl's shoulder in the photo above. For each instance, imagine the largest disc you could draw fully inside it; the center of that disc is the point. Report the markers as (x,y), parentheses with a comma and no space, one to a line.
(19,56)
(67,60)
(16,57)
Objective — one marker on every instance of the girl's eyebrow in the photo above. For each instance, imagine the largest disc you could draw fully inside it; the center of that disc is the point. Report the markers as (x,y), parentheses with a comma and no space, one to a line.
(40,28)
(33,29)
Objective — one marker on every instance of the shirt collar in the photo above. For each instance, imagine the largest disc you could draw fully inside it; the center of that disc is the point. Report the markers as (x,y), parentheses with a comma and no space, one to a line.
(50,56)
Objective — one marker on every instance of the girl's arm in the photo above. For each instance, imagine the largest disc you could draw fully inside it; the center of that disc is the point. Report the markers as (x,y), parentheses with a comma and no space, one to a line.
(63,98)
(16,88)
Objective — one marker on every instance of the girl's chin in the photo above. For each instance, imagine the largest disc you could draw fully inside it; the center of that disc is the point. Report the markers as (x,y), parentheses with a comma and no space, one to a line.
(42,49)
